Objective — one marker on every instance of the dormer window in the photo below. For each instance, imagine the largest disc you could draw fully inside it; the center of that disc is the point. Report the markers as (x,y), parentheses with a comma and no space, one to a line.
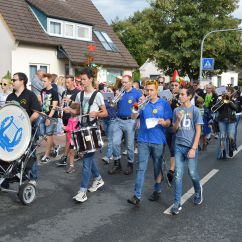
(55,27)
(70,30)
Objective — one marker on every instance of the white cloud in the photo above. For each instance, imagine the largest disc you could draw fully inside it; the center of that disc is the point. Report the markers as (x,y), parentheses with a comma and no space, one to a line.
(110,9)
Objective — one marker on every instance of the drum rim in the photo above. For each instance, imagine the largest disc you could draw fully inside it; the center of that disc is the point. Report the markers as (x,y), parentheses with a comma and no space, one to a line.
(28,120)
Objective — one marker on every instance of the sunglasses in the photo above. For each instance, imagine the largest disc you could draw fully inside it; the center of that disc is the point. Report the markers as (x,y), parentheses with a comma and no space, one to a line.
(14,80)
(3,84)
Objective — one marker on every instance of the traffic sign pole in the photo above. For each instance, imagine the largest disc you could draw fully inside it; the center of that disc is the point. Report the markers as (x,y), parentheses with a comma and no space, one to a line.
(202,44)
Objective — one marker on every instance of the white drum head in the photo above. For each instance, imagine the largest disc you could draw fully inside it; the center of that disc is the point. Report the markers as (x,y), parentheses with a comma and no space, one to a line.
(15,132)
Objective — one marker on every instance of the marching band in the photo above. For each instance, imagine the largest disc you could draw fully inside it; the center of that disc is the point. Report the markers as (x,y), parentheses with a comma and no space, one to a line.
(140,116)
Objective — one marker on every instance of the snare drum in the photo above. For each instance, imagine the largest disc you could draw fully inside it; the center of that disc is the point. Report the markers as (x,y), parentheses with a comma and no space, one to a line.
(15,132)
(87,140)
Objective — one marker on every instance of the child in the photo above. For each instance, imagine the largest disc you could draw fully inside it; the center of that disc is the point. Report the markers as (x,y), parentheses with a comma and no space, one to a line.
(71,126)
(200,105)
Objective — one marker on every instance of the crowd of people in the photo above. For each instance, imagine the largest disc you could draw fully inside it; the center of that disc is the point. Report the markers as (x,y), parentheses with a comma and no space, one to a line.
(135,115)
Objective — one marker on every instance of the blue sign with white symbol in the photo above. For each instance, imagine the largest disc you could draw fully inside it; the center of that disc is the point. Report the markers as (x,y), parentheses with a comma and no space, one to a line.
(208,64)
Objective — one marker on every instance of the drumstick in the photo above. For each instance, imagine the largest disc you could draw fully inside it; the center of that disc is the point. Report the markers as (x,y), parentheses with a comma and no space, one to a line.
(42,114)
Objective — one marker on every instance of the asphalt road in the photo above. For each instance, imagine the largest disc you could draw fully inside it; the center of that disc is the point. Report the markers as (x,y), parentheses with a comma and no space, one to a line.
(106,215)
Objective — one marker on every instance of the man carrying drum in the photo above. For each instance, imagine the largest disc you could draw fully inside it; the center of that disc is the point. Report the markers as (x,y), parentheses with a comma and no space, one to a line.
(27,100)
(92,103)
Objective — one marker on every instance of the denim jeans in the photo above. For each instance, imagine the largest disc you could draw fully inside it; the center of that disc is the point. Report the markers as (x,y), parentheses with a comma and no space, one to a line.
(89,166)
(125,127)
(147,150)
(109,128)
(47,130)
(226,131)
(236,128)
(180,158)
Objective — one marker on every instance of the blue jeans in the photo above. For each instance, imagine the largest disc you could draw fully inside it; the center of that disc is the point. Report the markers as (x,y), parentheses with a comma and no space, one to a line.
(109,128)
(180,158)
(47,130)
(147,150)
(226,132)
(89,166)
(236,128)
(125,127)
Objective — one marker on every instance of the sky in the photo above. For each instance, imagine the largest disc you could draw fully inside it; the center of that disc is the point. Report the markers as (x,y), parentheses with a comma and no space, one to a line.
(110,9)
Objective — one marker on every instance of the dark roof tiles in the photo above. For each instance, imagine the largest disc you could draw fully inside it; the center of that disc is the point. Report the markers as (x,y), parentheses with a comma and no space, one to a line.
(26,28)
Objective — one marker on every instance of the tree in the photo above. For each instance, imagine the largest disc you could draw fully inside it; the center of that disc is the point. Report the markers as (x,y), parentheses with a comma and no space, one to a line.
(134,32)
(178,28)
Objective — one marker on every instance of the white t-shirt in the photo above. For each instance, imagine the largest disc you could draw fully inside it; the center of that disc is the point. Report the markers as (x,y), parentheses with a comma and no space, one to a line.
(97,103)
(3,98)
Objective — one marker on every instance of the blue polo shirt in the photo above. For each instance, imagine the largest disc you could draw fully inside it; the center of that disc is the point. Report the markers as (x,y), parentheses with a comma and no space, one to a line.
(156,135)
(127,101)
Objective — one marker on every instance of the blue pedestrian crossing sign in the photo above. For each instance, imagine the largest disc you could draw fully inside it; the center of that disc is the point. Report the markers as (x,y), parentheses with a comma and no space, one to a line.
(208,64)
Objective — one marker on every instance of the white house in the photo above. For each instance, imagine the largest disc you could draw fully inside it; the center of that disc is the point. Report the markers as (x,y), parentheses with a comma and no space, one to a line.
(55,35)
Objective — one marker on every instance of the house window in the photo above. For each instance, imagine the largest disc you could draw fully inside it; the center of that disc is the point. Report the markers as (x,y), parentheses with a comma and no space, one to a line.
(112,74)
(232,81)
(83,32)
(69,30)
(106,41)
(55,27)
(33,68)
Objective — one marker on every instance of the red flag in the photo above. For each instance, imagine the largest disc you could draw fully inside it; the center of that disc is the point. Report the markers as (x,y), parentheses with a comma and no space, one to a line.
(175,77)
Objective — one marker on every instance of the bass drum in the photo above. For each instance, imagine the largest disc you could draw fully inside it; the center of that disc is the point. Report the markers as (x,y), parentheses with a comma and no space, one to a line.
(15,132)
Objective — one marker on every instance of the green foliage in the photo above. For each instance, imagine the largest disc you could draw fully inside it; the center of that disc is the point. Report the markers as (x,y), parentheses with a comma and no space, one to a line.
(136,75)
(134,33)
(170,33)
(7,76)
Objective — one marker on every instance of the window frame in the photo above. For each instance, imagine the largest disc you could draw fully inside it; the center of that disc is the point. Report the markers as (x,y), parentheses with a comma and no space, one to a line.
(89,30)
(111,45)
(49,20)
(74,30)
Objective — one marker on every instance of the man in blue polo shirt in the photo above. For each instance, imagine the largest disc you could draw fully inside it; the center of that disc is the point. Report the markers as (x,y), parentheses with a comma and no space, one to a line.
(125,125)
(154,119)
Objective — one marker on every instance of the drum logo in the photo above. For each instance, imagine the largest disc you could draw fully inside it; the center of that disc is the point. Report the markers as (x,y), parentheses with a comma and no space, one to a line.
(10,134)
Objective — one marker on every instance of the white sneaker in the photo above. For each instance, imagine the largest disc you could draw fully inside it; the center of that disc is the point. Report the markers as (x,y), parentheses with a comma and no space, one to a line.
(96,185)
(80,197)
(33,182)
(125,152)
(136,151)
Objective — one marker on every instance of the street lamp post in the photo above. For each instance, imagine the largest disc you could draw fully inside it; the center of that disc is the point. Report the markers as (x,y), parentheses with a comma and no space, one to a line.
(205,36)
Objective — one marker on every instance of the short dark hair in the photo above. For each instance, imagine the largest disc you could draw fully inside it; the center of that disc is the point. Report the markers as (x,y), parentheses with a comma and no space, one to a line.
(22,76)
(101,87)
(70,77)
(48,76)
(190,91)
(88,72)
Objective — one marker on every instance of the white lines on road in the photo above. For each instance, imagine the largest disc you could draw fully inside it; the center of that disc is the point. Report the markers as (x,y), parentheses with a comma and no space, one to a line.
(190,192)
(236,152)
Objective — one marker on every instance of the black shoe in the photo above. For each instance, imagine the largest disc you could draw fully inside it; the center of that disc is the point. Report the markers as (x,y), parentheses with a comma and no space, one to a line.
(5,184)
(155,196)
(134,200)
(170,175)
(129,169)
(62,161)
(116,168)
(231,148)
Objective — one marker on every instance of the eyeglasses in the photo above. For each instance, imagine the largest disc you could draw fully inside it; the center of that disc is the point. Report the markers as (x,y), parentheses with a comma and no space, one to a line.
(161,83)
(3,84)
(14,80)
(174,85)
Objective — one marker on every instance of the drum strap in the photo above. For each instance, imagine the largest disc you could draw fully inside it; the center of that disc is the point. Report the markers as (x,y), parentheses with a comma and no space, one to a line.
(91,100)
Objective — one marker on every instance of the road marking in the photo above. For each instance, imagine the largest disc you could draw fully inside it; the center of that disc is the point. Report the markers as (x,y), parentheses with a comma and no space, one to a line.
(190,192)
(236,152)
